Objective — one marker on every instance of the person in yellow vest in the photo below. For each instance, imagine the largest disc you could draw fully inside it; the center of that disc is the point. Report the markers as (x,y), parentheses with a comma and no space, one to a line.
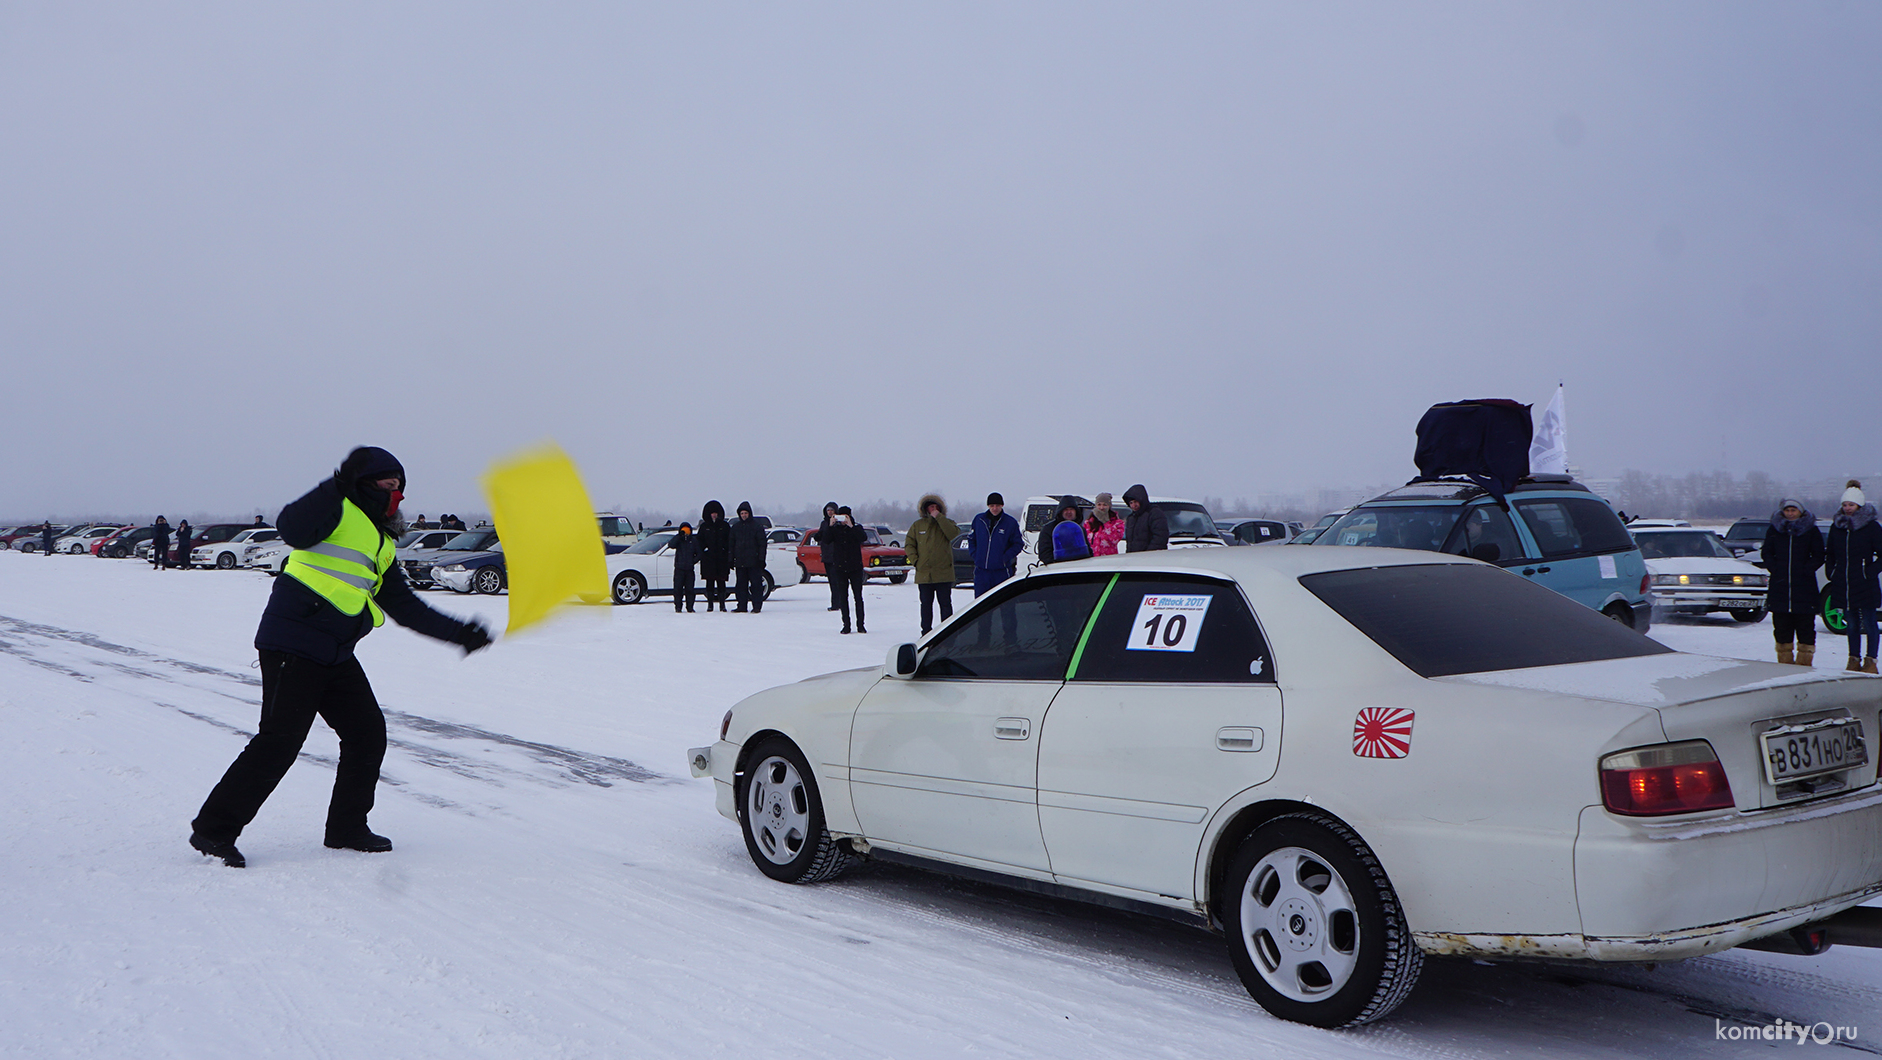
(338,584)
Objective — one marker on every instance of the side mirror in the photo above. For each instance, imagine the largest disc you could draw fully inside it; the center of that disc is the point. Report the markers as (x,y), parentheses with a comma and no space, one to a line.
(902,661)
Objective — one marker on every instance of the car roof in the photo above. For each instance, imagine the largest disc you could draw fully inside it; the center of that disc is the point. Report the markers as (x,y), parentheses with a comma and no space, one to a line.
(1451,489)
(1258,562)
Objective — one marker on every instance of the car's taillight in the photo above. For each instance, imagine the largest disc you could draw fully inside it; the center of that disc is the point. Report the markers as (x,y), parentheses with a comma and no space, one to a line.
(1671,778)
(726,725)
(1645,580)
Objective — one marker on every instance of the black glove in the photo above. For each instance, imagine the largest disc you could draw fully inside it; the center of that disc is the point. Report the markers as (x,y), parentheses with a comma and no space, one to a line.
(474,638)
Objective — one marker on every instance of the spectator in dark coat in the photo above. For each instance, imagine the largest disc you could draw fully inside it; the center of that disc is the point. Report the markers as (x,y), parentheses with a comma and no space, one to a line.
(1064,537)
(685,558)
(823,555)
(45,538)
(996,541)
(1855,553)
(748,559)
(308,669)
(160,545)
(183,545)
(1146,528)
(715,552)
(1792,552)
(843,541)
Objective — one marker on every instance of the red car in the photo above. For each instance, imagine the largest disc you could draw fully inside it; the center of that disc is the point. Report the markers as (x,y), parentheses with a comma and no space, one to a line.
(879,560)
(210,534)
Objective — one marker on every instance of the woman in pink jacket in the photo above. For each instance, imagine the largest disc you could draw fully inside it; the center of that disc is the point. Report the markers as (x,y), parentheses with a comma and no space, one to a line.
(1104,528)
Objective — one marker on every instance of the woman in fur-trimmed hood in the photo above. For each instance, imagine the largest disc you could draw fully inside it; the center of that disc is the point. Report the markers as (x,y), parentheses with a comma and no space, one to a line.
(1855,554)
(1792,552)
(930,548)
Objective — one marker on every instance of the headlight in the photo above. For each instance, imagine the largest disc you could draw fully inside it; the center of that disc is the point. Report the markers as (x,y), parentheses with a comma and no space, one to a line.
(455,567)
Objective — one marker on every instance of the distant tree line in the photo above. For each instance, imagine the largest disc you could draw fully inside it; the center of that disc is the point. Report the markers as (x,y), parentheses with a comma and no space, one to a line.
(1721,495)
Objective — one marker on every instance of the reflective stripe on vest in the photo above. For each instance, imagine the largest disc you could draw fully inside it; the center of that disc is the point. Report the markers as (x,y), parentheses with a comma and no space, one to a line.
(349,566)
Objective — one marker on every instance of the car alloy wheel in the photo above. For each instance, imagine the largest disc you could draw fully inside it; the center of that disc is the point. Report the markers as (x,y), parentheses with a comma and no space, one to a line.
(1315,930)
(488,580)
(629,588)
(781,813)
(771,585)
(225,561)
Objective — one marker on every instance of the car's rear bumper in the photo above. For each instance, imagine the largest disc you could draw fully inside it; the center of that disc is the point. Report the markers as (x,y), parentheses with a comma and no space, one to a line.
(1649,890)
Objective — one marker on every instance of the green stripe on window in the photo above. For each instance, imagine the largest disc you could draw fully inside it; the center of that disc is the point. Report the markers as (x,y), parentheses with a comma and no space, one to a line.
(1079,652)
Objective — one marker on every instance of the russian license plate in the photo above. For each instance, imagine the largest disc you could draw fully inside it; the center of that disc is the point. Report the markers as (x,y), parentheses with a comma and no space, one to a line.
(1796,752)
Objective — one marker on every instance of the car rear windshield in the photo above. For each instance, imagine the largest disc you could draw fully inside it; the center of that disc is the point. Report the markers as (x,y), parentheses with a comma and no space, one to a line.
(1443,619)
(1192,519)
(1747,530)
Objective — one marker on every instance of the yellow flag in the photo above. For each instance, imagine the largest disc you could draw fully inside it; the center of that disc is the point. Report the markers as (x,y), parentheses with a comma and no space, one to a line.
(551,540)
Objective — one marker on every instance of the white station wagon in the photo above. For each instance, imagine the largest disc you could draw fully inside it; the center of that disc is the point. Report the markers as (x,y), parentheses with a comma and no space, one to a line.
(1342,759)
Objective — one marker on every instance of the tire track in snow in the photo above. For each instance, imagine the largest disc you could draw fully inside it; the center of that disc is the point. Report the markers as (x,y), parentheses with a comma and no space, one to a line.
(74,654)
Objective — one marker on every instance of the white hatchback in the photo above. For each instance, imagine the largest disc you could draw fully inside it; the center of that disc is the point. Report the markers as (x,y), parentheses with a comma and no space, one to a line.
(646,569)
(1285,746)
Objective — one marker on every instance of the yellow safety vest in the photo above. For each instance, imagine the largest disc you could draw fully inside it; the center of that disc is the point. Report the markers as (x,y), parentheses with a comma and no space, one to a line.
(348,567)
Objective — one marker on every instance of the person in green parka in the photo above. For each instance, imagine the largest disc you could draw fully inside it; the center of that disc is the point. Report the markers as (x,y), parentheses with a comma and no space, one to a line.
(930,548)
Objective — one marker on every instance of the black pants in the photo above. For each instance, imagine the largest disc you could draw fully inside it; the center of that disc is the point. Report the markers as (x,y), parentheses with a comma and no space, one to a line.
(683,589)
(715,592)
(930,592)
(836,588)
(751,588)
(1800,626)
(293,691)
(848,583)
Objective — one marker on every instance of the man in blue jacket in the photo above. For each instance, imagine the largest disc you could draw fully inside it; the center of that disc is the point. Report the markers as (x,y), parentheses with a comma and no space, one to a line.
(996,544)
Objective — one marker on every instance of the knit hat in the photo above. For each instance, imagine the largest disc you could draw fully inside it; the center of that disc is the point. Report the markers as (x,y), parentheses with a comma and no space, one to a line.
(1102,498)
(845,510)
(994,498)
(1853,495)
(369,462)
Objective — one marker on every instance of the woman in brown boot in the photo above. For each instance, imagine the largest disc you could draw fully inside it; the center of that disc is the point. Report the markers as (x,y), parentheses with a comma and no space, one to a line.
(1792,552)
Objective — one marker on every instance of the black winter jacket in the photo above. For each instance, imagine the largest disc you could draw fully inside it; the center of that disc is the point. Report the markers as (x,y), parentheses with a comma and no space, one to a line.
(685,553)
(1792,560)
(748,543)
(301,622)
(1855,552)
(715,544)
(843,547)
(1147,529)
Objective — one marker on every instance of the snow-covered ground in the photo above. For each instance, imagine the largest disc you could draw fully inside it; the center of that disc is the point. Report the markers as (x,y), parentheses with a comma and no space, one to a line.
(562,887)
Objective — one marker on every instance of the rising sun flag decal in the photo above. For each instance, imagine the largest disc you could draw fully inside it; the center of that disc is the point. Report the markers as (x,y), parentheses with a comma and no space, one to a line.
(1382,732)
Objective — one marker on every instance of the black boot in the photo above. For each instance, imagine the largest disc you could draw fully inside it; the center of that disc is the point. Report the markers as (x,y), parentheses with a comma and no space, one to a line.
(219,848)
(363,840)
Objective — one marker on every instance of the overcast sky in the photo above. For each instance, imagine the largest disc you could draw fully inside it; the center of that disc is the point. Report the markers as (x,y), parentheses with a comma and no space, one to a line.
(799,252)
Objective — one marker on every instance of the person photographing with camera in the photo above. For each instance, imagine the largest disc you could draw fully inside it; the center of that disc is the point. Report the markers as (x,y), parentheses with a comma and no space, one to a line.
(842,541)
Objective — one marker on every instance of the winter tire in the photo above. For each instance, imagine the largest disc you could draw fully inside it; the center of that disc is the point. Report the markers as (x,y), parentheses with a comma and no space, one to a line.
(28,547)
(1314,928)
(803,573)
(225,561)
(629,588)
(1748,615)
(1621,613)
(897,579)
(771,585)
(487,580)
(76,550)
(781,813)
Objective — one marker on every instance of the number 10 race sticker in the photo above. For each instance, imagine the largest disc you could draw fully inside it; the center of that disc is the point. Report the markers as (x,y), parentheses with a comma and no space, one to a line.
(1168,623)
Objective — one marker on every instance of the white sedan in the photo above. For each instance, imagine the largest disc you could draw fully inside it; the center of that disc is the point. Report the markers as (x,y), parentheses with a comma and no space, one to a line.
(78,542)
(1694,573)
(230,554)
(1468,764)
(646,569)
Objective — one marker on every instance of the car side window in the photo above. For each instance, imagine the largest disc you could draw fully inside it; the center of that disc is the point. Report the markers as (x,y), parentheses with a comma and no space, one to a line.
(1024,631)
(1568,525)
(1170,628)
(1485,533)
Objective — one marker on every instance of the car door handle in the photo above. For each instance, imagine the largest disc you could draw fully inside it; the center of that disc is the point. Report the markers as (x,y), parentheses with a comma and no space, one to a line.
(1238,739)
(1542,570)
(1012,728)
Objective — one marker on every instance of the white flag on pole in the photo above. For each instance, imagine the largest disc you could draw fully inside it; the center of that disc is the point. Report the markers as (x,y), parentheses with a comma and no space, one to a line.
(1548,451)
